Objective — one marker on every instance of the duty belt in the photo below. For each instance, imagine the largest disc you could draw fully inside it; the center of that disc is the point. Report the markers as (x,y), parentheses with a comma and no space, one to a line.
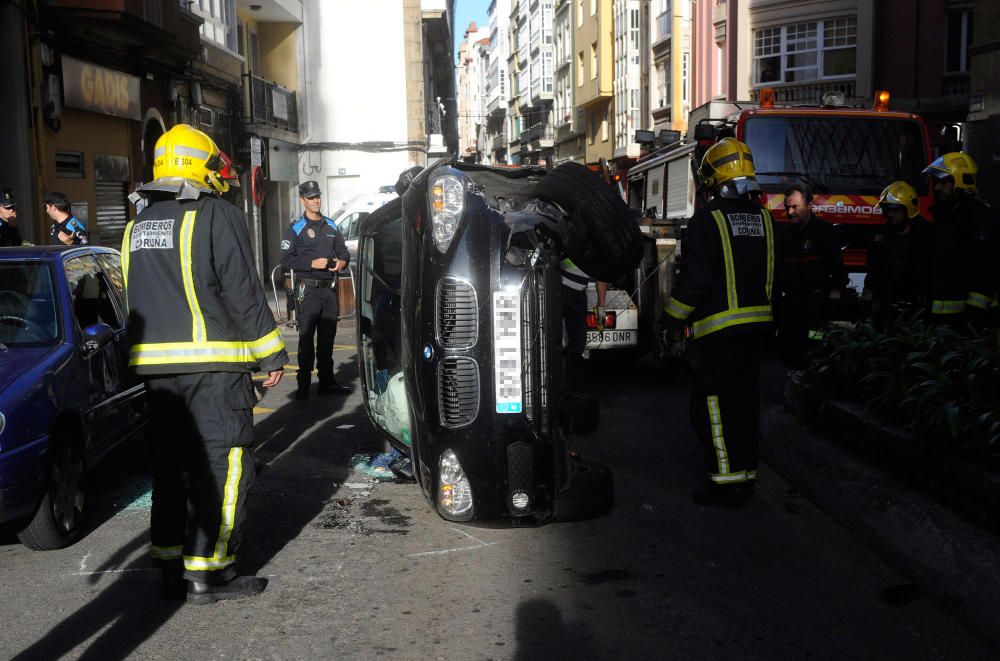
(309,282)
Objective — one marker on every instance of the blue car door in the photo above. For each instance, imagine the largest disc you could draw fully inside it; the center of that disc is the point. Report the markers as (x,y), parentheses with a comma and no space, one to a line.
(130,390)
(93,303)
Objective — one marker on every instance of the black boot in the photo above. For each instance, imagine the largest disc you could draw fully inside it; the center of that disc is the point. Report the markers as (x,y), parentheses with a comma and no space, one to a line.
(237,588)
(333,388)
(303,391)
(172,583)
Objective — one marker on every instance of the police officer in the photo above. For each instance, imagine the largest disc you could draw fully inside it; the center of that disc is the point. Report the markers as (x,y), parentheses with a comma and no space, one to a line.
(200,325)
(9,235)
(897,262)
(812,275)
(724,292)
(315,250)
(66,228)
(965,237)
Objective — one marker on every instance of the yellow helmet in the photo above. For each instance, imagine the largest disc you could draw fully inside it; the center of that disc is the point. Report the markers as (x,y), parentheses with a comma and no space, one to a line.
(186,153)
(957,165)
(903,194)
(727,169)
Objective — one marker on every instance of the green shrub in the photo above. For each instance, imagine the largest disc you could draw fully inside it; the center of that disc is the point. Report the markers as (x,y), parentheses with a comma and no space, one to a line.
(933,380)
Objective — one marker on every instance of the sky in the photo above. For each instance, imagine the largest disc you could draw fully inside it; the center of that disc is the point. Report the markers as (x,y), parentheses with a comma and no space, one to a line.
(467,11)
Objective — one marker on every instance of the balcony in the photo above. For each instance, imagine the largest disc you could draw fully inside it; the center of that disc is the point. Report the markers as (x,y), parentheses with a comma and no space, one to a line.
(272,105)
(539,135)
(720,11)
(664,25)
(160,30)
(499,141)
(955,84)
(810,93)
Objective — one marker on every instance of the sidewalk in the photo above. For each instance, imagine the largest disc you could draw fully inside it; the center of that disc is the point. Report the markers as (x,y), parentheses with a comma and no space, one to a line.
(956,562)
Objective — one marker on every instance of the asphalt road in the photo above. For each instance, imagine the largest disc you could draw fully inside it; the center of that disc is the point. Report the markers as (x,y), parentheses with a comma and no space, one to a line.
(364,570)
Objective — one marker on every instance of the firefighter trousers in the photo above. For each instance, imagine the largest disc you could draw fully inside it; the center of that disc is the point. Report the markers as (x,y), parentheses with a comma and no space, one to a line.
(725,404)
(201,428)
(317,314)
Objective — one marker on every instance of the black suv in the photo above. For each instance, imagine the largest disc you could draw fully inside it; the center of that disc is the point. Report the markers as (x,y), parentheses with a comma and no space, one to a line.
(460,333)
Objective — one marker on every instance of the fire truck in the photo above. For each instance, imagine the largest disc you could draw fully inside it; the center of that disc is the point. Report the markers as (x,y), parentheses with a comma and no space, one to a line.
(846,154)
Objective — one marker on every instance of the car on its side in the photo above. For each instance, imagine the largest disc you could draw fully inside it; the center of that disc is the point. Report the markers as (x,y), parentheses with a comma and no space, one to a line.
(460,333)
(66,397)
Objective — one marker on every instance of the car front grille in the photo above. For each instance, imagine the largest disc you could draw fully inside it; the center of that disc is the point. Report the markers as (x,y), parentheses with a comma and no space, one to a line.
(458,391)
(534,351)
(457,313)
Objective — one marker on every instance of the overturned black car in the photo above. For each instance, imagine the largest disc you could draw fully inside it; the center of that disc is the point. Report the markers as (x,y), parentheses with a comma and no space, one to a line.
(460,334)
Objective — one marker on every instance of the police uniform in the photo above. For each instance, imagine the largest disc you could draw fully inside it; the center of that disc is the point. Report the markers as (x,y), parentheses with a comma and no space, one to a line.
(71,225)
(200,325)
(316,294)
(811,266)
(9,234)
(724,293)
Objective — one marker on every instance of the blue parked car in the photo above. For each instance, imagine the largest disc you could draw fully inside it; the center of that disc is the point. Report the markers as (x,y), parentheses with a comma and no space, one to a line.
(65,394)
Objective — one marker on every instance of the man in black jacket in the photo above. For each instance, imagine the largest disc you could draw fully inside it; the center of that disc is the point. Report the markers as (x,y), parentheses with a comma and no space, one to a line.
(200,324)
(724,292)
(812,275)
(314,249)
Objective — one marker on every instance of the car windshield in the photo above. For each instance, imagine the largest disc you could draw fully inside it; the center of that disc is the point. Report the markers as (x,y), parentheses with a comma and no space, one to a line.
(27,305)
(839,155)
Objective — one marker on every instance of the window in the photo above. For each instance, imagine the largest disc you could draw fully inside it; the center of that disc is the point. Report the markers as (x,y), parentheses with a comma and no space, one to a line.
(219,21)
(593,7)
(69,164)
(957,40)
(813,50)
(593,60)
(92,299)
(604,123)
(579,69)
(579,13)
(685,57)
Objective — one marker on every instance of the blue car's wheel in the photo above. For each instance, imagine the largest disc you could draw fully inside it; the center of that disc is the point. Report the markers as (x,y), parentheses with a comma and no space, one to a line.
(57,522)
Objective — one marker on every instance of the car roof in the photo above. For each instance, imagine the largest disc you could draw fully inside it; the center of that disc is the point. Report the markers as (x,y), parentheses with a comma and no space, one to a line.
(49,253)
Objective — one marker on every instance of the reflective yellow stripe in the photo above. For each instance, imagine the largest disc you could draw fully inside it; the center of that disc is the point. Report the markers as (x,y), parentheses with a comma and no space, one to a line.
(815,335)
(267,345)
(977,300)
(769,233)
(727,256)
(716,322)
(166,552)
(728,478)
(126,254)
(947,307)
(677,310)
(198,333)
(230,496)
(718,439)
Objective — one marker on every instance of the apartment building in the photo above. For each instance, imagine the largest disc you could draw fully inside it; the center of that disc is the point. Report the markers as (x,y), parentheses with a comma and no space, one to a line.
(627,80)
(531,64)
(594,75)
(497,84)
(570,139)
(671,65)
(471,76)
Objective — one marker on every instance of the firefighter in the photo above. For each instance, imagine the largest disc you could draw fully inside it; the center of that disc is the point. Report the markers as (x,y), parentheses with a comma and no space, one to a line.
(964,234)
(200,325)
(897,262)
(812,276)
(314,248)
(724,293)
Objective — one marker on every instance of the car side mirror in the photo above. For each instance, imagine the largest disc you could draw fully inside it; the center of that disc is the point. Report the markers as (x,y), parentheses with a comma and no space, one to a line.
(96,336)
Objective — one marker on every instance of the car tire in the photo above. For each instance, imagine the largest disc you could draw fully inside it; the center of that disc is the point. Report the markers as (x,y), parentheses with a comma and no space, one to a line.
(603,235)
(57,522)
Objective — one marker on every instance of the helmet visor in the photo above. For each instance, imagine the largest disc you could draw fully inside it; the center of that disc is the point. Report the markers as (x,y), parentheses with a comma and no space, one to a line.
(739,187)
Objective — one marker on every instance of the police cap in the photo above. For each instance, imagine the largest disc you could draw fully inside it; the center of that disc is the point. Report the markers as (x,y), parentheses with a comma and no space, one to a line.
(7,199)
(309,190)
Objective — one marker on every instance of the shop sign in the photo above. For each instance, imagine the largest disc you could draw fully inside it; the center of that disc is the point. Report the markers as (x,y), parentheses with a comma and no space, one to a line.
(97,89)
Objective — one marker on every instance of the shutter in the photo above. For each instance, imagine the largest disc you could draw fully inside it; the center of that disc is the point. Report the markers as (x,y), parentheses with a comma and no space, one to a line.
(654,190)
(112,212)
(677,188)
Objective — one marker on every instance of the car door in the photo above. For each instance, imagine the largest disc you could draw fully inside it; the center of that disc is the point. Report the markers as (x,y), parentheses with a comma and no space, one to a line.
(93,303)
(129,389)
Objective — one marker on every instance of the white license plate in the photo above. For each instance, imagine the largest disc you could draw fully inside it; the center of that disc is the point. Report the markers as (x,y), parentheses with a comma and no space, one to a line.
(610,338)
(507,350)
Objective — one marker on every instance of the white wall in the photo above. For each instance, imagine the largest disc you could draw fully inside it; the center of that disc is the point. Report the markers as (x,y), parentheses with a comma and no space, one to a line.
(354,91)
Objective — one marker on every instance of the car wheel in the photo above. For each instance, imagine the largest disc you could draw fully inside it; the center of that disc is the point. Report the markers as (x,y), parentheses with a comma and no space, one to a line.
(604,237)
(57,522)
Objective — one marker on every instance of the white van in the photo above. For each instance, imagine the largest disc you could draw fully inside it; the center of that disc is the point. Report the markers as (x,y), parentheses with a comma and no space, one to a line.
(351,213)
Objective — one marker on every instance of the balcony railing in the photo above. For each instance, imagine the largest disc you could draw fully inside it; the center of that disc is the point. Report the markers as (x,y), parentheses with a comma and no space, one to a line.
(273,105)
(537,133)
(807,93)
(500,141)
(433,117)
(720,11)
(955,85)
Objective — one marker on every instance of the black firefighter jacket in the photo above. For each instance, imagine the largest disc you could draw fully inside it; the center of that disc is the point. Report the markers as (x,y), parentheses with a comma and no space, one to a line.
(963,265)
(726,282)
(194,299)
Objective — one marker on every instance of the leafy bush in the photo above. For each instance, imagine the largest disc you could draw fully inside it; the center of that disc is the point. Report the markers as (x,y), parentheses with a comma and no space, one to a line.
(933,380)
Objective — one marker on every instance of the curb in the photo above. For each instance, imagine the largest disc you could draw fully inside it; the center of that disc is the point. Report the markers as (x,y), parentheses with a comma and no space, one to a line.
(956,562)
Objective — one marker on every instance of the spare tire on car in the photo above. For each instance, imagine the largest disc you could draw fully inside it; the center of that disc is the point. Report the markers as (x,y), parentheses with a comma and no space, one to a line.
(603,237)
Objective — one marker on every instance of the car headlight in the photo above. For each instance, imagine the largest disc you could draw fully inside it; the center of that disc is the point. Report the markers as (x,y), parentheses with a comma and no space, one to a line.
(454,490)
(447,203)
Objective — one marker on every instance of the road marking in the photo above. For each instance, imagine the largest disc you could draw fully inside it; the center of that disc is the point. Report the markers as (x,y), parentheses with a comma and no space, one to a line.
(112,571)
(479,544)
(261,409)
